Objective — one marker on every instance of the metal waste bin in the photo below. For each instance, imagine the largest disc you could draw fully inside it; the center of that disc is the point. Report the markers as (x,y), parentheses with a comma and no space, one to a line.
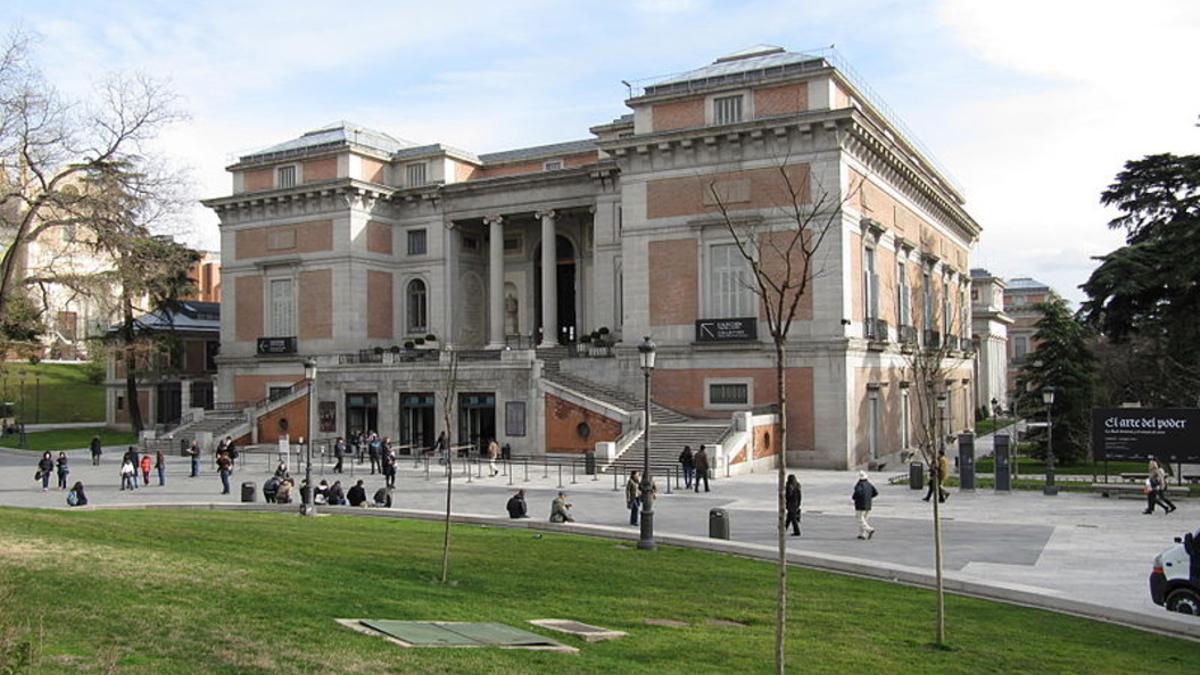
(916,476)
(718,524)
(248,491)
(1000,445)
(589,463)
(966,462)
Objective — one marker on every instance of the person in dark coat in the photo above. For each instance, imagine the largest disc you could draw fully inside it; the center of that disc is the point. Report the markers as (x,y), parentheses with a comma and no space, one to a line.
(63,469)
(357,496)
(517,508)
(791,498)
(701,462)
(689,466)
(224,468)
(373,447)
(45,468)
(383,497)
(160,463)
(137,462)
(864,492)
(271,489)
(339,452)
(96,450)
(335,496)
(76,496)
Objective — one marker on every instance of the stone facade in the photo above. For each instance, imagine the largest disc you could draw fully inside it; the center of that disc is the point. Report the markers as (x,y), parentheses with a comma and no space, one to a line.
(622,231)
(989,331)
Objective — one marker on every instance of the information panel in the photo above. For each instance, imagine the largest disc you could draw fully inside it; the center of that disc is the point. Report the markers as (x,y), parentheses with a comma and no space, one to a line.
(727,330)
(1138,433)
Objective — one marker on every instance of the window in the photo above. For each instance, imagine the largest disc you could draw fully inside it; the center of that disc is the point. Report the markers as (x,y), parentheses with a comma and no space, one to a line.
(873,424)
(728,393)
(964,314)
(513,245)
(727,109)
(274,393)
(416,242)
(904,417)
(415,295)
(470,243)
(1020,347)
(927,301)
(287,176)
(415,173)
(282,308)
(120,402)
(947,308)
(730,295)
(67,325)
(903,298)
(211,349)
(552,165)
(870,285)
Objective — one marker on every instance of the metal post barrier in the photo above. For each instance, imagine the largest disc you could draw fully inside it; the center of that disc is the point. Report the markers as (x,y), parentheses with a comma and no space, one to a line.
(469,470)
(510,472)
(560,475)
(573,481)
(675,471)
(478,469)
(525,461)
(614,473)
(545,468)
(426,468)
(595,474)
(504,466)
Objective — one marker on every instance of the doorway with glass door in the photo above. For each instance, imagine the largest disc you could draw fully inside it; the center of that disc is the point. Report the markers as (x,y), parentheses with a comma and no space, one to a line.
(417,423)
(476,420)
(362,413)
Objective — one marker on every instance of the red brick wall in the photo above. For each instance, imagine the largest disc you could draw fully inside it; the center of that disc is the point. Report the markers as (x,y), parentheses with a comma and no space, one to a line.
(296,414)
(259,179)
(774,258)
(379,237)
(316,170)
(683,390)
(248,315)
(533,166)
(753,189)
(122,416)
(308,237)
(683,114)
(253,388)
(673,282)
(379,303)
(562,427)
(781,100)
(373,170)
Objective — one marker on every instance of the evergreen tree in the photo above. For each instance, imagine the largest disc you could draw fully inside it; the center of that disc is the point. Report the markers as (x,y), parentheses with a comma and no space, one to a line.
(1063,359)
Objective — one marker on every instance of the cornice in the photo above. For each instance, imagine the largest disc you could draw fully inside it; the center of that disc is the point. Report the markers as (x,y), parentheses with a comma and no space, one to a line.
(757,130)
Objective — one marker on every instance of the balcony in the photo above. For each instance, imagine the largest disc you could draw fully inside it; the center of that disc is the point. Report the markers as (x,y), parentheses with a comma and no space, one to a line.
(933,339)
(908,338)
(876,331)
(968,345)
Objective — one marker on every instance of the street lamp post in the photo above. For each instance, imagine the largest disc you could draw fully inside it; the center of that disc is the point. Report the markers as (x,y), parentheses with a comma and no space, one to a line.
(941,404)
(309,500)
(646,355)
(1048,398)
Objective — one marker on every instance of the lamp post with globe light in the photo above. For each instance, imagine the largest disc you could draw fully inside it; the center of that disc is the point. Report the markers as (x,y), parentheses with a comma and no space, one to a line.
(646,356)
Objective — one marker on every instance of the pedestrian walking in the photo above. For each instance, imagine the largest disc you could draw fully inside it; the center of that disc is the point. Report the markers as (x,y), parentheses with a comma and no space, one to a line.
(1156,489)
(96,450)
(388,464)
(688,463)
(45,468)
(224,468)
(127,473)
(441,447)
(194,453)
(147,464)
(700,460)
(339,452)
(160,463)
(633,493)
(373,451)
(864,492)
(136,459)
(938,471)
(63,469)
(791,498)
(493,451)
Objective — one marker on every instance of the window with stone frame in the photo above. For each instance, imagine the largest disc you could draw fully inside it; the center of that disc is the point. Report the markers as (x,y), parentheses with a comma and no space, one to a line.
(730,293)
(286,176)
(416,303)
(414,174)
(417,242)
(727,109)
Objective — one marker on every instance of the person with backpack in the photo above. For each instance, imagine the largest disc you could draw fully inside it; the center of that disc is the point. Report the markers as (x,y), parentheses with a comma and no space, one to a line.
(63,470)
(76,496)
(791,498)
(689,466)
(96,450)
(388,464)
(863,493)
(160,463)
(516,506)
(271,489)
(45,467)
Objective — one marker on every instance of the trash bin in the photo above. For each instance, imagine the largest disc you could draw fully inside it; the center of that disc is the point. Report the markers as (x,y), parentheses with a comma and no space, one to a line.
(718,524)
(248,492)
(966,462)
(1000,445)
(589,463)
(916,476)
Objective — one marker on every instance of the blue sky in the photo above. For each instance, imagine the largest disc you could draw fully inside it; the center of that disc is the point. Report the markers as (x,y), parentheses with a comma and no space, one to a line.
(1033,105)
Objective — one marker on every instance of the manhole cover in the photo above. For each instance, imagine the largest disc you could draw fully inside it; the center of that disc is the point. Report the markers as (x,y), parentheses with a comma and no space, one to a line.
(453,634)
(586,631)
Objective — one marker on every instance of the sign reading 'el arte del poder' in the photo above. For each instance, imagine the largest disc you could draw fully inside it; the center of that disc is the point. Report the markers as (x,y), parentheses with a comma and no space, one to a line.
(1137,433)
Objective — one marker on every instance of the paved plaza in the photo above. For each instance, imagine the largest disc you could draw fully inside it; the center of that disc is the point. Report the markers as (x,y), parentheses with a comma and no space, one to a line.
(1078,547)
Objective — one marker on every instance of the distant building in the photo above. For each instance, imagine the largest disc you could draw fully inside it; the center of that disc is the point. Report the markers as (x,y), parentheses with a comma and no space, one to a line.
(1021,297)
(178,379)
(206,274)
(989,331)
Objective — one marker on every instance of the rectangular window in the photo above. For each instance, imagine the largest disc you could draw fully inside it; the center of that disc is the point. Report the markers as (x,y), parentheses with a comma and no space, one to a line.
(287,176)
(870,285)
(904,417)
(415,174)
(282,304)
(730,294)
(947,309)
(1020,347)
(416,242)
(512,245)
(727,109)
(470,243)
(552,165)
(276,393)
(120,402)
(873,425)
(927,302)
(68,323)
(728,394)
(903,299)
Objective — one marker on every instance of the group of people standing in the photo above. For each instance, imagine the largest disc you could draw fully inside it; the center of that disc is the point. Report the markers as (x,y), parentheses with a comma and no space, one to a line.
(132,464)
(379,451)
(695,468)
(1156,489)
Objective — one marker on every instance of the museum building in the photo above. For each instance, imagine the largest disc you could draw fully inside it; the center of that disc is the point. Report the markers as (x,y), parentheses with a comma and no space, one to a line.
(524,280)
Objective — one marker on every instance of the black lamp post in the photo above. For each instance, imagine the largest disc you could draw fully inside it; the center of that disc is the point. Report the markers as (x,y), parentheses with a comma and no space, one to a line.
(309,500)
(941,404)
(646,543)
(1048,398)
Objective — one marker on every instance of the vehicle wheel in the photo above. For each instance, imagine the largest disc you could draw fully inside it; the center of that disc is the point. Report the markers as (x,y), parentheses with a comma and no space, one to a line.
(1184,601)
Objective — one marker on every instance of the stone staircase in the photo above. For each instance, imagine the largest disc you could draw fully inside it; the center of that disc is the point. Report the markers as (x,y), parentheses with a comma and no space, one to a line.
(670,430)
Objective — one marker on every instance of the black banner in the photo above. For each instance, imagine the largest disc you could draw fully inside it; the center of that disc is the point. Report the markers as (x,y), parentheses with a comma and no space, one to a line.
(727,330)
(1138,433)
(276,345)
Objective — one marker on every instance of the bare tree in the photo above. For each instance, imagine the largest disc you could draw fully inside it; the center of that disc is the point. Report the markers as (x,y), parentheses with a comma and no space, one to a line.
(930,365)
(449,389)
(781,254)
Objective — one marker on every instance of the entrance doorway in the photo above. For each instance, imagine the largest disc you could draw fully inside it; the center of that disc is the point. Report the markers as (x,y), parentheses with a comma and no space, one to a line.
(476,419)
(362,413)
(417,422)
(565,330)
(170,404)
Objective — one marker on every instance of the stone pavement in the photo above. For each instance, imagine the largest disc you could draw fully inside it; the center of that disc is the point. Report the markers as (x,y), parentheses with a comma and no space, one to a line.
(1078,547)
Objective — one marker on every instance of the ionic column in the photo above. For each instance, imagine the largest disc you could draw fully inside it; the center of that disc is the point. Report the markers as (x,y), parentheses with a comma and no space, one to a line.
(549,281)
(495,281)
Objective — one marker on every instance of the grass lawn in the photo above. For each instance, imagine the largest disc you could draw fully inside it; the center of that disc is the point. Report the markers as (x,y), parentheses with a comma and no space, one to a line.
(65,393)
(68,439)
(191,591)
(1032,465)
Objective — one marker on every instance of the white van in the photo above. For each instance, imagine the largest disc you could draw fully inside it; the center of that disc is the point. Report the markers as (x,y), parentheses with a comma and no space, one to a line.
(1175,580)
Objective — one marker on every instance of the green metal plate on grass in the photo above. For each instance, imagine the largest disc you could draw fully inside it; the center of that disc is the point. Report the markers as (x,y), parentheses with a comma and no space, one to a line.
(456,634)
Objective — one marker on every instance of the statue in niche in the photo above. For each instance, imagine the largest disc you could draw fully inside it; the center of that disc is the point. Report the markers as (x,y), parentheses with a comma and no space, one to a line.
(511,312)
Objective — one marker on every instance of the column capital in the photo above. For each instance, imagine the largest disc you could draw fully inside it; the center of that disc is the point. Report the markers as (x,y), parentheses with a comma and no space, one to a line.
(545,213)
(493,219)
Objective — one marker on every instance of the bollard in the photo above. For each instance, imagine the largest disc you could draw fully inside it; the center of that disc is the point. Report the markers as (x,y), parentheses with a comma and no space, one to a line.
(510,471)
(426,469)
(573,481)
(478,469)
(504,467)
(669,479)
(545,468)
(560,475)
(525,461)
(469,472)
(615,488)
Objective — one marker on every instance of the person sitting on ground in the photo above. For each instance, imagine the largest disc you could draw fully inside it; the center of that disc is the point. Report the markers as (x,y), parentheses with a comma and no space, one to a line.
(517,508)
(560,509)
(335,496)
(383,497)
(271,489)
(281,471)
(322,496)
(357,496)
(284,495)
(76,496)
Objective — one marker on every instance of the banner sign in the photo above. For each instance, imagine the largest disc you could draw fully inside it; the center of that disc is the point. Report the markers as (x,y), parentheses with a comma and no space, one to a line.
(727,330)
(1138,433)
(276,345)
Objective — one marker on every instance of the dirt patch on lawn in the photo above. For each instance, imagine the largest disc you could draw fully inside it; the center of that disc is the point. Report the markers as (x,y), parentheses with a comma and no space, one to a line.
(144,566)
